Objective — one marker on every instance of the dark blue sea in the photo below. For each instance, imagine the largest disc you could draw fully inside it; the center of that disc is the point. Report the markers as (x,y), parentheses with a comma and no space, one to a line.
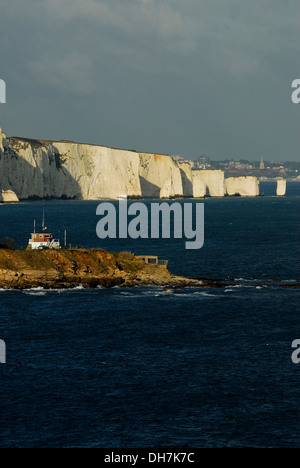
(148,367)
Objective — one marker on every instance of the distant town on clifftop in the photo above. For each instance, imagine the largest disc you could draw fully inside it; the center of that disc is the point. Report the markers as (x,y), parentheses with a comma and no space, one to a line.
(264,170)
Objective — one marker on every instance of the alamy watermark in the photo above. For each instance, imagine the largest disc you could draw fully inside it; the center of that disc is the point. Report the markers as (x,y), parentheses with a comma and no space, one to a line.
(141,221)
(2,92)
(296,353)
(2,352)
(296,93)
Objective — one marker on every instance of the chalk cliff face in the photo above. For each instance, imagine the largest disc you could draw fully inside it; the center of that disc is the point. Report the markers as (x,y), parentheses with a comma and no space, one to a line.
(160,176)
(57,169)
(213,180)
(187,178)
(281,187)
(199,186)
(243,186)
(34,170)
(38,169)
(101,172)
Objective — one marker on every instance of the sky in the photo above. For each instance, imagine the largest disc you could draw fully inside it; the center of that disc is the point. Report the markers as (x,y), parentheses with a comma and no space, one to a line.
(189,78)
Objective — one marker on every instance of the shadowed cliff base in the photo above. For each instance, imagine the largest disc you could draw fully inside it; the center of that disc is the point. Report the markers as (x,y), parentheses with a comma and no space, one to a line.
(187,185)
(148,189)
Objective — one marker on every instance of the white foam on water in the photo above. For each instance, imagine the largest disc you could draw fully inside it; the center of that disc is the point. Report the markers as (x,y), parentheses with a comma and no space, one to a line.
(204,294)
(241,286)
(40,291)
(168,293)
(35,293)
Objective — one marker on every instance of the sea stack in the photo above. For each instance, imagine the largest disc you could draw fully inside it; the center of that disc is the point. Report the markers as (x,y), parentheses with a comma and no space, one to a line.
(8,196)
(281,187)
(242,186)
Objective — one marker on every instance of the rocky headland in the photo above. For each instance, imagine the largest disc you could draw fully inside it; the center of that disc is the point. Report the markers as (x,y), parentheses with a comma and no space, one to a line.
(55,269)
(92,268)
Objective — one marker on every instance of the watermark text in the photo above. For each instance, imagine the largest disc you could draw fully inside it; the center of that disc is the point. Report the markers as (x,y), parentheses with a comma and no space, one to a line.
(296,93)
(296,353)
(154,221)
(2,352)
(2,92)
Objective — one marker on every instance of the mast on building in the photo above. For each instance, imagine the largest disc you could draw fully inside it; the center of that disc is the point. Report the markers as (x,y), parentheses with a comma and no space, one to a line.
(43,239)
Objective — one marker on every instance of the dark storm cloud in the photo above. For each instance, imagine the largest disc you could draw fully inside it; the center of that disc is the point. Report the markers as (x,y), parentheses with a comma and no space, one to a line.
(169,76)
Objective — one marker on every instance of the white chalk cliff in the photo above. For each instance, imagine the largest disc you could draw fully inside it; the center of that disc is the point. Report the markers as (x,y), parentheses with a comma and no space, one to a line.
(37,169)
(244,186)
(40,169)
(100,172)
(281,187)
(199,186)
(160,176)
(187,179)
(58,169)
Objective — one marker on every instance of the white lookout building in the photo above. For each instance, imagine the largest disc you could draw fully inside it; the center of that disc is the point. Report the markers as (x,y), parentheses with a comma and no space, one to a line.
(43,240)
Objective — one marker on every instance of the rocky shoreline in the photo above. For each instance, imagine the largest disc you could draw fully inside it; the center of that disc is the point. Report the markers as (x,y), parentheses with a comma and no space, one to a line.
(66,269)
(92,268)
